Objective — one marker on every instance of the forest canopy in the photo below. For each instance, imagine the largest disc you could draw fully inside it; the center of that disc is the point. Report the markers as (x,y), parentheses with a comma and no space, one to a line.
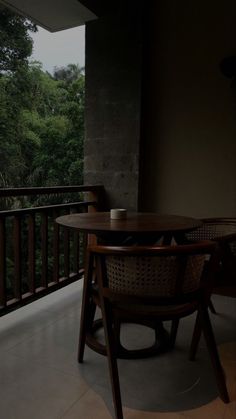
(41,115)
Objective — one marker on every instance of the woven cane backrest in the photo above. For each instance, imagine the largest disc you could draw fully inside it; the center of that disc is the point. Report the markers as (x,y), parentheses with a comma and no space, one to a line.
(213,229)
(155,275)
(193,273)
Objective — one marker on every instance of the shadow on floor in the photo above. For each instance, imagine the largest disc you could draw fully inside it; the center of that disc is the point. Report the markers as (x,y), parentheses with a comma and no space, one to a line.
(168,382)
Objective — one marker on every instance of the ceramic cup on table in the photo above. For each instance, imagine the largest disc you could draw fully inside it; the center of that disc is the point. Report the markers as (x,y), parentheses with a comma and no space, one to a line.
(118,213)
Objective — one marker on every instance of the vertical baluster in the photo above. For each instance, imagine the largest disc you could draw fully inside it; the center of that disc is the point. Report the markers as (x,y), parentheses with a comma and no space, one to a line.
(90,239)
(85,242)
(75,247)
(66,252)
(76,251)
(55,248)
(44,249)
(17,257)
(31,252)
(3,297)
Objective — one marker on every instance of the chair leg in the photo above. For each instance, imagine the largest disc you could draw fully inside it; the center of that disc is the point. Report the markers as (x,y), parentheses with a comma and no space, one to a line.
(117,329)
(87,306)
(211,307)
(213,352)
(197,334)
(112,360)
(195,338)
(162,337)
(173,332)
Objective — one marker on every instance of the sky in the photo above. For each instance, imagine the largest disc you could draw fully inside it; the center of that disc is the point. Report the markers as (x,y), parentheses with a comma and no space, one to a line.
(59,48)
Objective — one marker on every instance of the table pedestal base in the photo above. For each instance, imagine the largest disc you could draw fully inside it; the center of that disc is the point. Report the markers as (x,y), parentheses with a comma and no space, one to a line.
(161,343)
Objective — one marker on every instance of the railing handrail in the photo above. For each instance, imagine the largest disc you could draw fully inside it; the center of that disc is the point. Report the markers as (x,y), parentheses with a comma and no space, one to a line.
(46,208)
(37,256)
(6,192)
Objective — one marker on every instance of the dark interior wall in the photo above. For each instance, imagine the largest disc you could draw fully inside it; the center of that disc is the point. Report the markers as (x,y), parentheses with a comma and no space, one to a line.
(160,116)
(112,108)
(189,140)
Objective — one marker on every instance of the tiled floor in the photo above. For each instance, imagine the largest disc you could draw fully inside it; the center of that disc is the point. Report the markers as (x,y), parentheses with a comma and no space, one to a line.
(40,377)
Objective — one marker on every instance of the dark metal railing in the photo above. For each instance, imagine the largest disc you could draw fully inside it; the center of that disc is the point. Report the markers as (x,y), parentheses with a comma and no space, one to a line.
(37,256)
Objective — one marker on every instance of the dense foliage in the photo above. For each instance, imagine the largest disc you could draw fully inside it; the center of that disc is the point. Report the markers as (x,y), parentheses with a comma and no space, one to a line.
(41,134)
(41,115)
(15,42)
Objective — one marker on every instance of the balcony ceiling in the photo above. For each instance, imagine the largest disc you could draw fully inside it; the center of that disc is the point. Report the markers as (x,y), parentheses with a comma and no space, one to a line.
(55,15)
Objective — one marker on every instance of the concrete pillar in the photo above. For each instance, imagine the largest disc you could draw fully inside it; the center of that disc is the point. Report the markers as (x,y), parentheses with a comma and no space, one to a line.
(113,104)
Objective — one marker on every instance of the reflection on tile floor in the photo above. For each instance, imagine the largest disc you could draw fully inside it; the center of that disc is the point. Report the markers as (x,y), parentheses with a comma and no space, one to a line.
(41,379)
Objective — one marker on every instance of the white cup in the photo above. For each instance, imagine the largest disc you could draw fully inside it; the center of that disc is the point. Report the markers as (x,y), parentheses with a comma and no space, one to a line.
(118,214)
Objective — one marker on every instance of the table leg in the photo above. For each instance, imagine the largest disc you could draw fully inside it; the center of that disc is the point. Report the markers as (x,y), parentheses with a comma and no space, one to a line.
(88,306)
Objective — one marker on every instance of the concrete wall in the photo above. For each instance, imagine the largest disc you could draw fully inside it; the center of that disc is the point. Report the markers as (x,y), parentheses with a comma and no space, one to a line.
(112,109)
(189,143)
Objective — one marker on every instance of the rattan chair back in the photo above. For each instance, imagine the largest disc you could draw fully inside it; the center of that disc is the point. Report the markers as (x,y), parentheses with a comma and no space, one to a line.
(153,275)
(222,231)
(157,271)
(218,229)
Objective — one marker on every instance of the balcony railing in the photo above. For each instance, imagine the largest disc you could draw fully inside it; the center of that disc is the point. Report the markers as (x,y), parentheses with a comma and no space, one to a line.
(37,256)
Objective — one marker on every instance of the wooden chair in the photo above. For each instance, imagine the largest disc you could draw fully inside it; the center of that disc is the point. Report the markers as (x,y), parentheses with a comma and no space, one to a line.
(222,231)
(158,284)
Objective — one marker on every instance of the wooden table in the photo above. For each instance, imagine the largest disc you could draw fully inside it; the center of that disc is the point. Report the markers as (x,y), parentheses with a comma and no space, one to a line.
(137,228)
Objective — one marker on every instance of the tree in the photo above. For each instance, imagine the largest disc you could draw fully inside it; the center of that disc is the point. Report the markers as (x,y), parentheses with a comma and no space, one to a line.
(41,116)
(15,42)
(68,74)
(53,129)
(15,48)
(11,162)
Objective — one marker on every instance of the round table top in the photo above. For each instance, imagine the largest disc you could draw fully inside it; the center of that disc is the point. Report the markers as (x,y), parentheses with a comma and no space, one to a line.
(135,223)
